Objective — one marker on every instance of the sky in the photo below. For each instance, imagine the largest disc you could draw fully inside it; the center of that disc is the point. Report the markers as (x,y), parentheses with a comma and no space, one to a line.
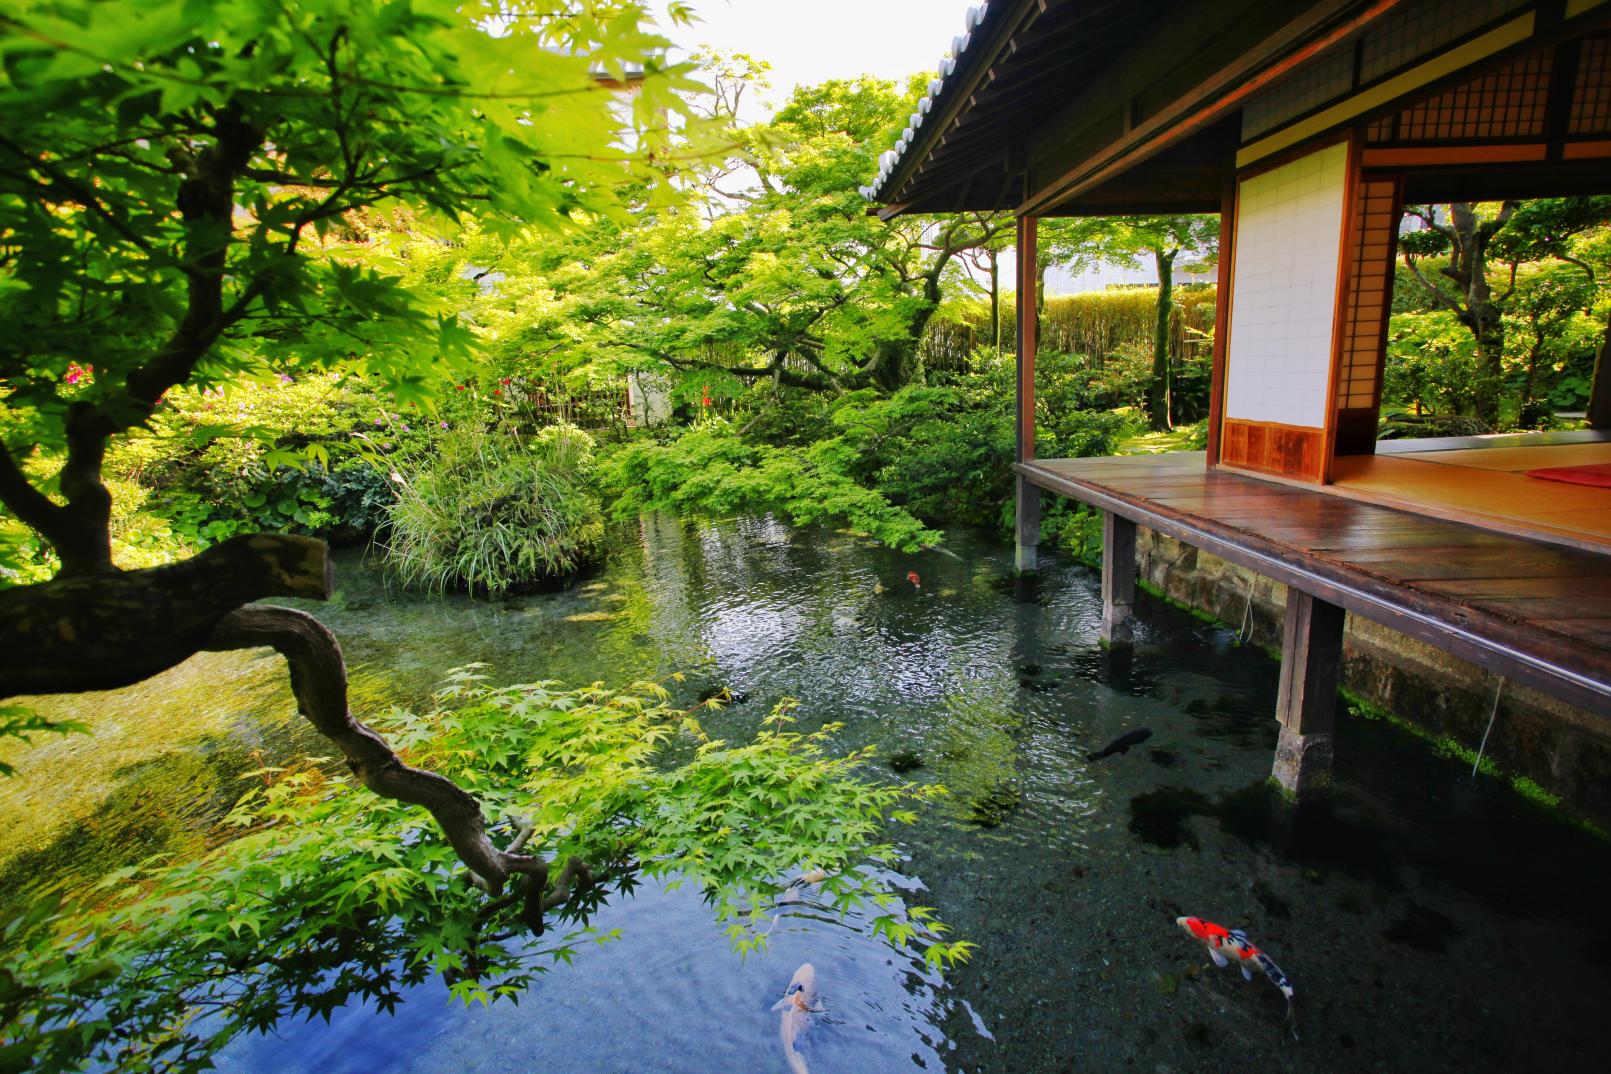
(811,41)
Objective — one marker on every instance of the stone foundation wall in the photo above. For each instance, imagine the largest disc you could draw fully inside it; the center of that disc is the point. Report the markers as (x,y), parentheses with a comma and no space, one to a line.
(1564,749)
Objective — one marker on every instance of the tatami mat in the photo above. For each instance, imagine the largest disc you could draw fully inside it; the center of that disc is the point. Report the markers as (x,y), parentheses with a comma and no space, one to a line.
(1518,459)
(1489,488)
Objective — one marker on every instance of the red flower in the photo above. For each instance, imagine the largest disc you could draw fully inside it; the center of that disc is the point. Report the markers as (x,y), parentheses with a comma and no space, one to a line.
(497,391)
(504,381)
(460,387)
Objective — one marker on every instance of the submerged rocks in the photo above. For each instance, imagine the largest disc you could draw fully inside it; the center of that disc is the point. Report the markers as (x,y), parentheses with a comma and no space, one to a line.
(993,807)
(904,761)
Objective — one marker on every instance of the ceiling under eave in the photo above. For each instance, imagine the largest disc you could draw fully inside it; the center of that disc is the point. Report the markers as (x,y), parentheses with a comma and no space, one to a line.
(965,148)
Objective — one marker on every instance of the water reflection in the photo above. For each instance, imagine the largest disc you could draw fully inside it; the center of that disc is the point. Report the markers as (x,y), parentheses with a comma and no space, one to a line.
(1067,874)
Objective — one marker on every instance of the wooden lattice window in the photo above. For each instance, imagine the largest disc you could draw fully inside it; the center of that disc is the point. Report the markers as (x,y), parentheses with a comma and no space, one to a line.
(1591,95)
(1370,293)
(1509,103)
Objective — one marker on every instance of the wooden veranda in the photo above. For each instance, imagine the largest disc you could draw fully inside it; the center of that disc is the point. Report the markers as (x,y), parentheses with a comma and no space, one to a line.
(1308,126)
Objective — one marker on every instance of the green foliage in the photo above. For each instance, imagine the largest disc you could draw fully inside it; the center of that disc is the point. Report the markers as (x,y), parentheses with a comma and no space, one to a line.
(710,470)
(330,895)
(884,465)
(772,271)
(491,510)
(191,190)
(1098,324)
(1431,358)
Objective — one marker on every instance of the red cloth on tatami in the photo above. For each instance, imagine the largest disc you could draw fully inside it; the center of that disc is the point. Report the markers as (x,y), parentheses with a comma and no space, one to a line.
(1598,476)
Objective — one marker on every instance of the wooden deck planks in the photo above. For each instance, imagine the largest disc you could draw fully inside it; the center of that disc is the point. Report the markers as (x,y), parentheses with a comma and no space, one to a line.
(1527,609)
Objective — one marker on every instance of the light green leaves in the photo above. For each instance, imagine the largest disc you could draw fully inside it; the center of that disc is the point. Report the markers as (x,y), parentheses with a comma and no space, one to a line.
(329,895)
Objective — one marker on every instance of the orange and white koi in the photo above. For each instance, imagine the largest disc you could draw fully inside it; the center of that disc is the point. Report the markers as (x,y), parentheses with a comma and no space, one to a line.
(796,887)
(1226,946)
(798,1003)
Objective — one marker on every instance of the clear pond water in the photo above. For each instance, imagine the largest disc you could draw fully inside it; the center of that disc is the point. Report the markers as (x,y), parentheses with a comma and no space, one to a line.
(1428,922)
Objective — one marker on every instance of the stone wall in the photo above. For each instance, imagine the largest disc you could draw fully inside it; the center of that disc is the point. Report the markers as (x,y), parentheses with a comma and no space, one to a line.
(1564,749)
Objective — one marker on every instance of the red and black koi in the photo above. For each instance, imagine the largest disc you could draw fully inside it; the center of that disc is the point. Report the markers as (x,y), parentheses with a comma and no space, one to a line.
(1226,946)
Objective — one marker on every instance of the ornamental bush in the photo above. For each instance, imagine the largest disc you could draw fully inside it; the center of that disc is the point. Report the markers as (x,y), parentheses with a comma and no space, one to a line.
(490,510)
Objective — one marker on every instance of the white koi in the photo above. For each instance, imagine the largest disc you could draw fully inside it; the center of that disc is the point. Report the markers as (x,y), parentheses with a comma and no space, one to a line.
(798,1003)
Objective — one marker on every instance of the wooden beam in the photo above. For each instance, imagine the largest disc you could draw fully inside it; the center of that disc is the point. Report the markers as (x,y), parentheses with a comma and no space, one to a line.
(1306,706)
(1230,86)
(1222,319)
(1028,334)
(1118,577)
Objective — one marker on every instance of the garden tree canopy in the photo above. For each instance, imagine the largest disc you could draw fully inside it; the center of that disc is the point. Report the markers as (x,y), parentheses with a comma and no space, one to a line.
(775,271)
(165,169)
(1512,233)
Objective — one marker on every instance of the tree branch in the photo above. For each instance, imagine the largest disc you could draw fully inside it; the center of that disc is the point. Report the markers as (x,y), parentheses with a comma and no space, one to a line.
(32,507)
(319,680)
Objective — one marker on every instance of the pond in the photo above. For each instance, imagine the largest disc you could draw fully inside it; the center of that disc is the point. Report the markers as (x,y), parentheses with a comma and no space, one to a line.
(1428,922)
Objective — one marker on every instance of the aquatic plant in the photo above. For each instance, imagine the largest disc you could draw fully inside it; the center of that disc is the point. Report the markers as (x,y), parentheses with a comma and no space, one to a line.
(328,895)
(490,510)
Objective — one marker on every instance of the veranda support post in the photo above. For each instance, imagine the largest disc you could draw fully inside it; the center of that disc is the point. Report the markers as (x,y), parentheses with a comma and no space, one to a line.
(1306,706)
(1028,495)
(1118,577)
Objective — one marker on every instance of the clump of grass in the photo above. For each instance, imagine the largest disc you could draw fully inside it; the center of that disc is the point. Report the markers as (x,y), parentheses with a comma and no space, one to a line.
(490,510)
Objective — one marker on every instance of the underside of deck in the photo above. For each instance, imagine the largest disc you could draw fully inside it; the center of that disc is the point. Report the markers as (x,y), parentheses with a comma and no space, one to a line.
(1533,611)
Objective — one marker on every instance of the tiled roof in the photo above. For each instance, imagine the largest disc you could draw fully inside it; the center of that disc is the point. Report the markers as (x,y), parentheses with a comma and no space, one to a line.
(948,66)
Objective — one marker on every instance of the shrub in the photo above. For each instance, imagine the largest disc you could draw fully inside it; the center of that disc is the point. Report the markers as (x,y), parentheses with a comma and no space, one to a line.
(490,511)
(711,471)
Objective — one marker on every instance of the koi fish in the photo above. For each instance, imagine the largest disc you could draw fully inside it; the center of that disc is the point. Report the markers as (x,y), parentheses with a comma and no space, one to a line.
(1232,945)
(795,887)
(798,1001)
(917,583)
(1122,744)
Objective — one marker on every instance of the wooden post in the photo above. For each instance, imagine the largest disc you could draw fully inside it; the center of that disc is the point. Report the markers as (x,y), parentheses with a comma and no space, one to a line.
(1222,317)
(1028,526)
(1118,577)
(1311,660)
(1028,503)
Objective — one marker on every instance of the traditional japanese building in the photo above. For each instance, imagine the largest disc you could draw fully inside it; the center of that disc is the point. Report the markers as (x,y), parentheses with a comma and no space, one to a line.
(1307,126)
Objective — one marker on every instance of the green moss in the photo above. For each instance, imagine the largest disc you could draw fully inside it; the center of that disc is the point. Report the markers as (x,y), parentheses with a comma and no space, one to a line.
(1190,609)
(1284,792)
(1446,746)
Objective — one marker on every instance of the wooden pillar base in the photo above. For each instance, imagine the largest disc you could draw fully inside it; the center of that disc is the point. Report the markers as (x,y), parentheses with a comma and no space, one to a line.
(1303,764)
(1028,527)
(1311,662)
(1118,577)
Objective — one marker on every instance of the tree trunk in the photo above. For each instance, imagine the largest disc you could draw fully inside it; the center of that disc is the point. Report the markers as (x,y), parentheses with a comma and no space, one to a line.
(1158,389)
(1600,390)
(1489,383)
(995,301)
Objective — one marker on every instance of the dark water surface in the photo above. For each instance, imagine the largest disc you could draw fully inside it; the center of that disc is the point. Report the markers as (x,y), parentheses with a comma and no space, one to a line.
(1428,923)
